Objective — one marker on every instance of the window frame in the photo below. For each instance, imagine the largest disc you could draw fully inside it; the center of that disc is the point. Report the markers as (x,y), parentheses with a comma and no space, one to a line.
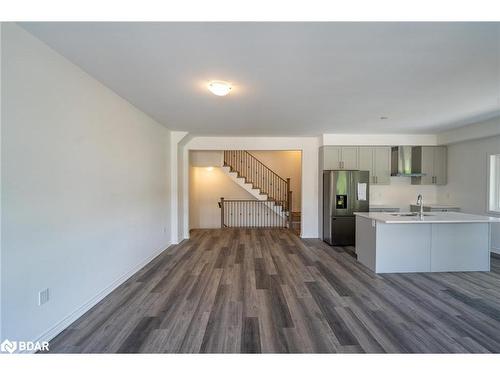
(493,184)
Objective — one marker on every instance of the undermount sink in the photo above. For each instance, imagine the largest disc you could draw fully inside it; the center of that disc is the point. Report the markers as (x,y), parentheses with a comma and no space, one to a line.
(410,214)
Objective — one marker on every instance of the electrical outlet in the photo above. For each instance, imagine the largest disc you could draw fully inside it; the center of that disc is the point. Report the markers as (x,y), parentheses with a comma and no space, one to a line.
(43,297)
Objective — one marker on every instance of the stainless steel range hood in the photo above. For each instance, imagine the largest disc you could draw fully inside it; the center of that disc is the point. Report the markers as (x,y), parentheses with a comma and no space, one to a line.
(401,162)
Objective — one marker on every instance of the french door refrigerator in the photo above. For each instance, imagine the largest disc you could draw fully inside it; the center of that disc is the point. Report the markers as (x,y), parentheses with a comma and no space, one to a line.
(344,192)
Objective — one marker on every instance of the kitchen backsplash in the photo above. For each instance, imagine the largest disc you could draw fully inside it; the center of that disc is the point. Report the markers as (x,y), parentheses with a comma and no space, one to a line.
(401,193)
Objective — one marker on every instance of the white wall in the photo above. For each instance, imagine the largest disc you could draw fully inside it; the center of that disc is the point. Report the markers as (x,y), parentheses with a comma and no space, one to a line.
(401,193)
(206,158)
(1,118)
(379,139)
(309,148)
(467,178)
(206,187)
(483,129)
(85,191)
(176,139)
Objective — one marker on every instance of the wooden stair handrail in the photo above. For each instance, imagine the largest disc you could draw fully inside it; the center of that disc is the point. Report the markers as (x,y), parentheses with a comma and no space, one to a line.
(265,166)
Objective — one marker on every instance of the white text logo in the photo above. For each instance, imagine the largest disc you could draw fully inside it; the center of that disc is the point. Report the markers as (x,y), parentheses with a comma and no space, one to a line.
(8,346)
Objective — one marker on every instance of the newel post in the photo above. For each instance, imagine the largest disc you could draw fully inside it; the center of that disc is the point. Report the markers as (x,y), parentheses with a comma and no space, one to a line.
(222,212)
(288,195)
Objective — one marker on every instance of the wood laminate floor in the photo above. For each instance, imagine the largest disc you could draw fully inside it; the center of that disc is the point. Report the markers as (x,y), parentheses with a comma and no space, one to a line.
(259,290)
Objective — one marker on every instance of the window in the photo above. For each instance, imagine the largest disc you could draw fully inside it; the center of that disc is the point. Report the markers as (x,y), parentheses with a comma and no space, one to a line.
(494,184)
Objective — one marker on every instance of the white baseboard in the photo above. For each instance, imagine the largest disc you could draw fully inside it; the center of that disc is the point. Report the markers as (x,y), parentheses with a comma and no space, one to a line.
(308,235)
(72,317)
(495,250)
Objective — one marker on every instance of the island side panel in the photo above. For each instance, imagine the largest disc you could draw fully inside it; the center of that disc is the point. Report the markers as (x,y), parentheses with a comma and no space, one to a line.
(365,242)
(403,248)
(460,247)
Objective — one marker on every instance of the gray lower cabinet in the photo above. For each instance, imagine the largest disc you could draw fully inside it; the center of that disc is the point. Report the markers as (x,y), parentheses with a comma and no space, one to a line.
(376,160)
(415,208)
(395,209)
(431,161)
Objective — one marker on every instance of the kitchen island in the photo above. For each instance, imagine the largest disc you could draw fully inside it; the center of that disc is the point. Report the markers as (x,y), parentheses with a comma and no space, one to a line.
(435,242)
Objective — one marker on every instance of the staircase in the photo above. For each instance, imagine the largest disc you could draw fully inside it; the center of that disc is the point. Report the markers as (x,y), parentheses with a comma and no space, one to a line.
(255,192)
(260,181)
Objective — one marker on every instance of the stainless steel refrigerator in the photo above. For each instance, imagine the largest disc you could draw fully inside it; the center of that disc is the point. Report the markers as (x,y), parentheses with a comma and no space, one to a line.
(344,192)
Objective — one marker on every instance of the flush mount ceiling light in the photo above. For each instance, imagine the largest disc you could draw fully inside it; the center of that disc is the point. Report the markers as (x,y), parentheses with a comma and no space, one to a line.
(219,88)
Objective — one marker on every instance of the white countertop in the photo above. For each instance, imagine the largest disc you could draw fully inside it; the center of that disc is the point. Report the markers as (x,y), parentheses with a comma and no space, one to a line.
(429,218)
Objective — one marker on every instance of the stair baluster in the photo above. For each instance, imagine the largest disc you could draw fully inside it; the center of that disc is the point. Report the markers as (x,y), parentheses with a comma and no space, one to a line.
(261,177)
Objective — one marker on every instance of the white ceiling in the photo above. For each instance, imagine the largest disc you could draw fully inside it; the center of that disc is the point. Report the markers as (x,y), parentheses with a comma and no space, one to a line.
(293,78)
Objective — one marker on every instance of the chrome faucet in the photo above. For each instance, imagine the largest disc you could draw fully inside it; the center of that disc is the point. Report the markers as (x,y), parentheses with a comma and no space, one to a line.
(420,202)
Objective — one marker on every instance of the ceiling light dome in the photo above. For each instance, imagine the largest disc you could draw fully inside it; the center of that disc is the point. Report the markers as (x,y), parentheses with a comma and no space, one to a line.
(219,88)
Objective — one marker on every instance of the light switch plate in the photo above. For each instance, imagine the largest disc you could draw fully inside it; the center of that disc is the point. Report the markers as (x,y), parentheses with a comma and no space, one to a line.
(43,297)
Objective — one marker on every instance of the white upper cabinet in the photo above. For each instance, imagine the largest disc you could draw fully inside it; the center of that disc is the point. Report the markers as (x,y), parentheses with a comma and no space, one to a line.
(366,161)
(427,165)
(331,157)
(349,157)
(336,157)
(382,165)
(431,161)
(440,177)
(376,160)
